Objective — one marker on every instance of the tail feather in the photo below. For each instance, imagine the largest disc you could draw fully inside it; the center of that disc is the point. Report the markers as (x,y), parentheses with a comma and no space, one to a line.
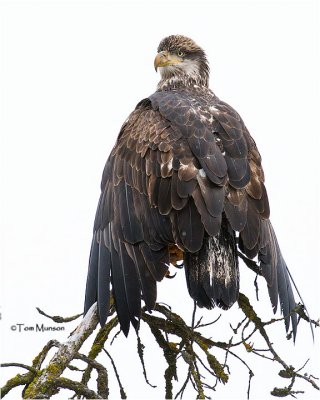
(212,273)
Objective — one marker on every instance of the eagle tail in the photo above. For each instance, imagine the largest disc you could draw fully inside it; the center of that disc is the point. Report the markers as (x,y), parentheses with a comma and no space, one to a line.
(212,273)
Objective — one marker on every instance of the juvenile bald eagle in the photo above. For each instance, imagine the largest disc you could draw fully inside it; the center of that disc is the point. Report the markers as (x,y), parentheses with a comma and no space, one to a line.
(184,180)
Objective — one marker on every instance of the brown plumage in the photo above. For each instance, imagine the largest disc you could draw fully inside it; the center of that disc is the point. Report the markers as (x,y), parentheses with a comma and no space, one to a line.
(186,174)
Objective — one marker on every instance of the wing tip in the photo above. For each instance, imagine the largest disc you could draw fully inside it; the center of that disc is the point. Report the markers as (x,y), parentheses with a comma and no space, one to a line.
(279,286)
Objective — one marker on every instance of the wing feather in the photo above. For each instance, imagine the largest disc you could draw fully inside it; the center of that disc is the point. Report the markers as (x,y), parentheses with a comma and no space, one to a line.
(211,224)
(148,283)
(164,197)
(118,289)
(130,224)
(178,203)
(103,290)
(92,277)
(190,227)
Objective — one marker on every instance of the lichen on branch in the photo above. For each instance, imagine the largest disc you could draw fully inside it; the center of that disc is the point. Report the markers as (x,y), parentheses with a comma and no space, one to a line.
(180,344)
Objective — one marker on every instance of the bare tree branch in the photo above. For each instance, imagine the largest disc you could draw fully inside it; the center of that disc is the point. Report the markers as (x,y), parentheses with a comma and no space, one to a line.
(179,342)
(44,385)
(57,318)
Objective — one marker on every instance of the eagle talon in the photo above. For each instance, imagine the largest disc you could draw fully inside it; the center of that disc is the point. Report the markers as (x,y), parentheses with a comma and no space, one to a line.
(170,276)
(179,266)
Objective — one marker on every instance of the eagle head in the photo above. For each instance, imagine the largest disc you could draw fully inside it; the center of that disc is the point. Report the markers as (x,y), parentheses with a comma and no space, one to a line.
(181,62)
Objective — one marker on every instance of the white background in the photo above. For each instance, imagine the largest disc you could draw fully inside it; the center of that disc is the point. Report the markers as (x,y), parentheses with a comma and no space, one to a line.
(71,72)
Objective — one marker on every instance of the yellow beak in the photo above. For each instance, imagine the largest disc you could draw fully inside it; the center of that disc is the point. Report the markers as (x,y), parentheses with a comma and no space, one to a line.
(164,58)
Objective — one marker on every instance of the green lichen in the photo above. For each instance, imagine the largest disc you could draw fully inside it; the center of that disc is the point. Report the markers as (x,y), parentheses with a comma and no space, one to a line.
(102,337)
(46,388)
(248,310)
(38,360)
(47,382)
(97,346)
(287,373)
(170,354)
(217,368)
(281,392)
(198,382)
(77,387)
(17,380)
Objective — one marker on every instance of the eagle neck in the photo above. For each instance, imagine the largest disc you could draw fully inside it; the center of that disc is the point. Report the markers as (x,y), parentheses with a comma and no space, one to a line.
(179,82)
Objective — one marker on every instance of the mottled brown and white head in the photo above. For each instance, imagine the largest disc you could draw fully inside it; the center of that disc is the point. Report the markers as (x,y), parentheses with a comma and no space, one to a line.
(181,62)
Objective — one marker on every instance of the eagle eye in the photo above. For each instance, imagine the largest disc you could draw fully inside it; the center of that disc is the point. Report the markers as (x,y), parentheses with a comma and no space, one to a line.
(180,53)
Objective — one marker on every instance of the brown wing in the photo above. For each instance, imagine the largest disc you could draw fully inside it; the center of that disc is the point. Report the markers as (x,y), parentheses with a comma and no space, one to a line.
(129,236)
(179,163)
(247,208)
